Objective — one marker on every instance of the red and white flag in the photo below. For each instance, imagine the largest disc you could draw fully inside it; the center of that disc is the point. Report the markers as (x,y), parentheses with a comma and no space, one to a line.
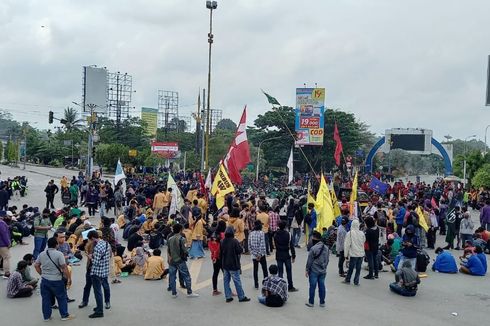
(239,153)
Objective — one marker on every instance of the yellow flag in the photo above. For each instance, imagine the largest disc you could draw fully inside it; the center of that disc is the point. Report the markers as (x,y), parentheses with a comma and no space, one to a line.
(335,203)
(221,186)
(353,195)
(325,213)
(422,221)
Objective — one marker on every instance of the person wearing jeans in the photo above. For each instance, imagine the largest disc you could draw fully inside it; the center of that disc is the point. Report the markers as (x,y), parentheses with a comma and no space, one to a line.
(372,241)
(99,271)
(257,248)
(316,269)
(177,256)
(42,225)
(354,251)
(285,253)
(51,265)
(230,256)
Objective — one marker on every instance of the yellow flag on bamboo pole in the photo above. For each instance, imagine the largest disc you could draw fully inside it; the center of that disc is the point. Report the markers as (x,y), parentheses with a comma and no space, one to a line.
(335,203)
(353,196)
(221,186)
(324,208)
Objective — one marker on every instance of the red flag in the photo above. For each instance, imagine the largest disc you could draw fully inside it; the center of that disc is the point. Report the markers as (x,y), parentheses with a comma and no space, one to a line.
(338,146)
(201,184)
(239,153)
(433,203)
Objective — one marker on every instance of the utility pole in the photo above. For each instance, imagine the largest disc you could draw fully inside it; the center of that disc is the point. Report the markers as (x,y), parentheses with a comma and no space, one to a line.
(202,132)
(211,5)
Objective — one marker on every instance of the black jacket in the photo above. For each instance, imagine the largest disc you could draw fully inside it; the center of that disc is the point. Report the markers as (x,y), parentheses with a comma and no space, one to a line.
(282,239)
(372,238)
(4,197)
(230,254)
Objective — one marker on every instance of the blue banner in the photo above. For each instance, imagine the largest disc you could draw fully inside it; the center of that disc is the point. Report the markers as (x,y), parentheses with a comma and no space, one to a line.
(378,186)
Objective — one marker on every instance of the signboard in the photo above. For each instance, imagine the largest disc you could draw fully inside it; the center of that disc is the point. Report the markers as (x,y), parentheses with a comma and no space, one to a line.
(95,89)
(150,116)
(309,120)
(166,149)
(133,153)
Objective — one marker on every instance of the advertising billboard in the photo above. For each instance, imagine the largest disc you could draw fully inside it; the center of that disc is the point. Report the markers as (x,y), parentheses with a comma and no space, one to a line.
(165,149)
(95,89)
(150,116)
(309,120)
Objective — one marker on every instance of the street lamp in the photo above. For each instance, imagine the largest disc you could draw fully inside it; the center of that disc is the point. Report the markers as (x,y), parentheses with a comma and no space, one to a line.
(211,5)
(91,135)
(258,155)
(464,161)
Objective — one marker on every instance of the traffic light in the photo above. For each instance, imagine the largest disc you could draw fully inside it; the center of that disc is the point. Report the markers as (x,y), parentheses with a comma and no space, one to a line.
(50,120)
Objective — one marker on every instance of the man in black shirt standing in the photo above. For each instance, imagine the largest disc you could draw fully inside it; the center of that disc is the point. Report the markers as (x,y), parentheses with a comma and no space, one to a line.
(50,190)
(284,245)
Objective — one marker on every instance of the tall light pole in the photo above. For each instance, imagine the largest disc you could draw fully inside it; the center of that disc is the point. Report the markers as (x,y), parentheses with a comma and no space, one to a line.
(258,155)
(91,133)
(485,150)
(464,161)
(211,5)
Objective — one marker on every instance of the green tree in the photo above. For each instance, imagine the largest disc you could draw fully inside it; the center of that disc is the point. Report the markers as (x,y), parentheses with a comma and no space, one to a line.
(474,161)
(108,154)
(482,177)
(353,133)
(226,124)
(71,121)
(1,151)
(12,151)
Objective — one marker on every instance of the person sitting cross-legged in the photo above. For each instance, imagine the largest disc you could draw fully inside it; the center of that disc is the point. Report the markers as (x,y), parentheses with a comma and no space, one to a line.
(274,289)
(406,280)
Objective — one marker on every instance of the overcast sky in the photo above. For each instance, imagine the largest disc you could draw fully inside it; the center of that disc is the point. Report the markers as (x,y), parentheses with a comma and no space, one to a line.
(393,63)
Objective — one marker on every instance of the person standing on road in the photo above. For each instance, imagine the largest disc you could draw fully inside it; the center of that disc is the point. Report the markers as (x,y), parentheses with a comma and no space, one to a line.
(4,198)
(51,265)
(371,248)
(341,233)
(42,224)
(316,269)
(177,257)
(230,258)
(5,243)
(101,259)
(257,249)
(485,216)
(51,190)
(284,245)
(354,251)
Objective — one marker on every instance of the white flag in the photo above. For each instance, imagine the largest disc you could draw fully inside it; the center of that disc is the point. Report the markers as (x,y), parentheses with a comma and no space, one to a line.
(290,167)
(119,175)
(208,184)
(177,199)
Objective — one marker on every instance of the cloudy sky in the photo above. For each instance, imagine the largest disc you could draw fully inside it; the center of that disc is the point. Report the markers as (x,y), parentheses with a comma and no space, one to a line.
(393,63)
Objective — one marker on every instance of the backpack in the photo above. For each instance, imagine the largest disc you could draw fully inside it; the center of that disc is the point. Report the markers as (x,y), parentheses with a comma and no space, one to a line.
(413,219)
(382,220)
(423,260)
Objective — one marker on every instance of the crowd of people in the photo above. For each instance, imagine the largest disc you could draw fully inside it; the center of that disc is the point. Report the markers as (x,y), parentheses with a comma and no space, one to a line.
(394,230)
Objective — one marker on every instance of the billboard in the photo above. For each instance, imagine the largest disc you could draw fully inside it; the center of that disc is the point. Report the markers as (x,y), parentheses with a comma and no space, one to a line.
(165,149)
(308,119)
(150,116)
(412,140)
(95,89)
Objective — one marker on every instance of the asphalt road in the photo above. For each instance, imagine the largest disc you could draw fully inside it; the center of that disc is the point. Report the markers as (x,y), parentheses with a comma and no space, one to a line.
(441,299)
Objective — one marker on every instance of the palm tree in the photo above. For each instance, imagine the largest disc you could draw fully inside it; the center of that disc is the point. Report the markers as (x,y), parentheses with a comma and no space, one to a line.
(71,121)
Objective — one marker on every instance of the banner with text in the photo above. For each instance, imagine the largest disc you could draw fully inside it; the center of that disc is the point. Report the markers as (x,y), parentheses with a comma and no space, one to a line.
(150,116)
(309,120)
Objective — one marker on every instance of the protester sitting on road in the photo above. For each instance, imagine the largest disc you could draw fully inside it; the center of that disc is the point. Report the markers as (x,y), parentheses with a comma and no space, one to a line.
(16,288)
(26,273)
(406,280)
(274,289)
(155,267)
(445,262)
(473,266)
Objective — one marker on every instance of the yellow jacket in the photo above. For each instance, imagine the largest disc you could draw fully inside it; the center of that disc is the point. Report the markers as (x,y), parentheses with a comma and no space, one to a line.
(264,218)
(159,200)
(154,268)
(238,226)
(198,230)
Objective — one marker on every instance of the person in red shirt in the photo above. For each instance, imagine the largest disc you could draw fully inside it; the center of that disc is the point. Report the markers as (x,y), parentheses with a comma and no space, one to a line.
(214,248)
